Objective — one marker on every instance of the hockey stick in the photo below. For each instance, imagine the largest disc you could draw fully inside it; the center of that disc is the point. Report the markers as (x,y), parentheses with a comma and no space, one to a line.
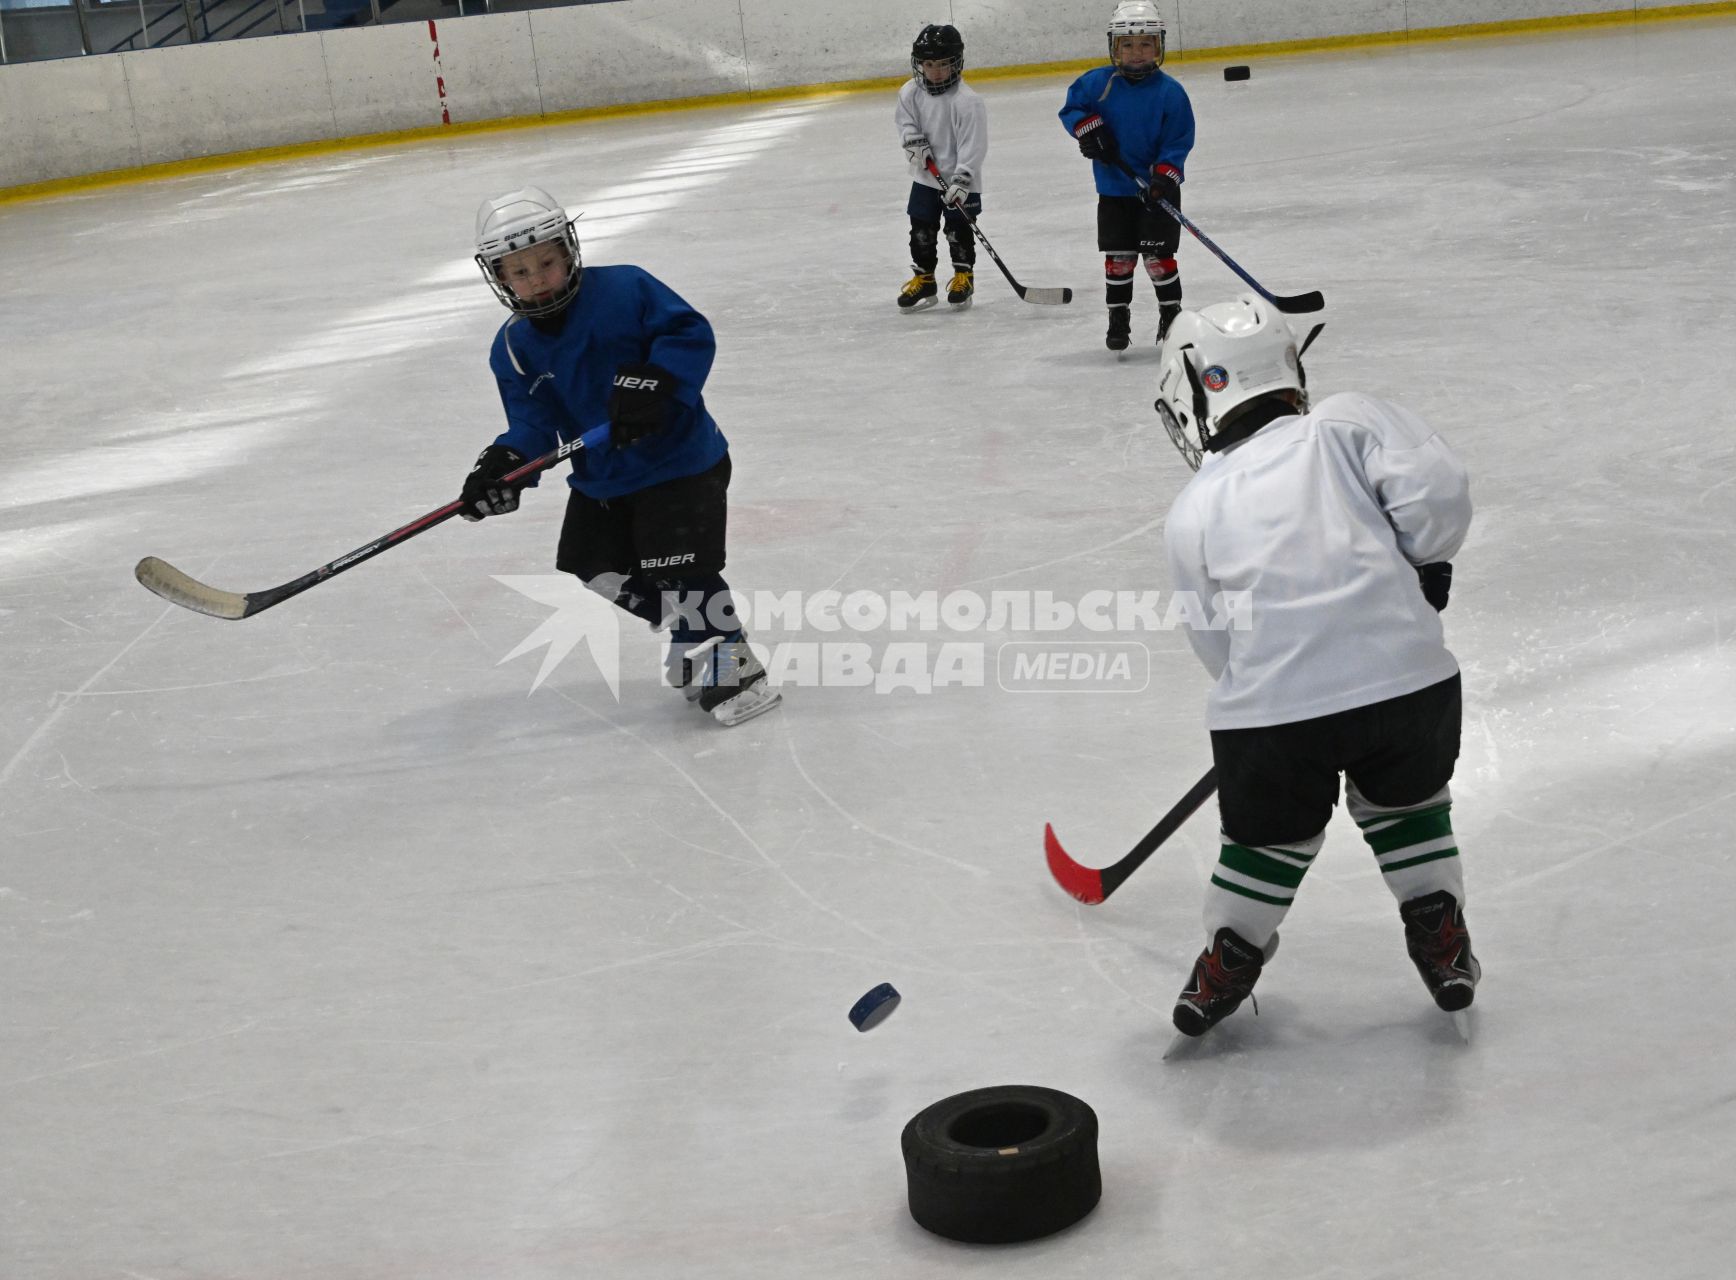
(1291,304)
(1042,297)
(1092,886)
(176,587)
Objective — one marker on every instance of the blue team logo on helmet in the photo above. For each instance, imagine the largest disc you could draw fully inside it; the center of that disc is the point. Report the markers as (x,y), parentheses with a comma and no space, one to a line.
(1215,378)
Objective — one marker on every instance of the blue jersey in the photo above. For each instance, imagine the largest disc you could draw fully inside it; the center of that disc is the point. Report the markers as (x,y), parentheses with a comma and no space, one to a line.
(555,380)
(1151,120)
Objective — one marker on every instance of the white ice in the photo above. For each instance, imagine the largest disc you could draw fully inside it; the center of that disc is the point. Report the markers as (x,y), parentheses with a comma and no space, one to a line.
(332,953)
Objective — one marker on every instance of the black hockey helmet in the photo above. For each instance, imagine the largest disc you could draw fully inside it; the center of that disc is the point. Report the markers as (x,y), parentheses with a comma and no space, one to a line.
(937,43)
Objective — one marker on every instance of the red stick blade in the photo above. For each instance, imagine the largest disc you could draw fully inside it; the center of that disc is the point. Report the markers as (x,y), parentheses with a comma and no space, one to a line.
(1081,882)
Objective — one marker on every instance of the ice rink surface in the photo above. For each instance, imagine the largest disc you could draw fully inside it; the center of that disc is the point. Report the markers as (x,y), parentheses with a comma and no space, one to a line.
(332,952)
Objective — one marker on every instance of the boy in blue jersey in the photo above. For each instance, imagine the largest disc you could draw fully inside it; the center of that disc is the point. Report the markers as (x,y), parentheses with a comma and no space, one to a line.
(1129,115)
(646,514)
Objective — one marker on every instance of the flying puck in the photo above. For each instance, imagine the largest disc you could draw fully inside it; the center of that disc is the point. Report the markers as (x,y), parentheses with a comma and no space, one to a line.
(1237,73)
(872,1009)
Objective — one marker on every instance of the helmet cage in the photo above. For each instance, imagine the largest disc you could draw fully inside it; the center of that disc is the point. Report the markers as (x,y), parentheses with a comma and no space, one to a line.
(1183,428)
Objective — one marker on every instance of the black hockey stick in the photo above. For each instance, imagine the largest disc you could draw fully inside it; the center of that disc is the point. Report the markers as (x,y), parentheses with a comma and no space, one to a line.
(1291,304)
(1042,297)
(1092,886)
(165,580)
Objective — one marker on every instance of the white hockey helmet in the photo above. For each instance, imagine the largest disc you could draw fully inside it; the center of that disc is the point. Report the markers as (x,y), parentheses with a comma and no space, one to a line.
(1136,18)
(1218,359)
(518,220)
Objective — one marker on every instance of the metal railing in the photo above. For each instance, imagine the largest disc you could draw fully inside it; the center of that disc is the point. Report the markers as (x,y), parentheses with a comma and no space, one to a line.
(75,27)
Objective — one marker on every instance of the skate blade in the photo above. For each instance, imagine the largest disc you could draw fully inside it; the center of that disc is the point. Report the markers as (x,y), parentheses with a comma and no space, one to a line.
(960,306)
(1180,1046)
(924,305)
(1462,1024)
(733,713)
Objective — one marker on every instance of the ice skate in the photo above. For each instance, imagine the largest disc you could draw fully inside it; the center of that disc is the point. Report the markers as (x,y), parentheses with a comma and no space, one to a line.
(681,671)
(1120,329)
(1166,315)
(961,288)
(1223,977)
(734,684)
(919,292)
(1440,947)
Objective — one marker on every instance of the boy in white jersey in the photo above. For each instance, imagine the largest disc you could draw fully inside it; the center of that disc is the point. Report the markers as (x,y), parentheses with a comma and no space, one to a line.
(1334,526)
(944,129)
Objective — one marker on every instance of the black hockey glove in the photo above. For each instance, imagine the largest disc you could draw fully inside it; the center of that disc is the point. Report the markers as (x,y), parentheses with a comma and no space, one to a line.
(484,494)
(1437,580)
(642,404)
(1165,184)
(1095,140)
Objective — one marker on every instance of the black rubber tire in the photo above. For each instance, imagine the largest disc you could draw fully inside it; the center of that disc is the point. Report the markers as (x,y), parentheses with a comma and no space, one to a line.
(1001,1165)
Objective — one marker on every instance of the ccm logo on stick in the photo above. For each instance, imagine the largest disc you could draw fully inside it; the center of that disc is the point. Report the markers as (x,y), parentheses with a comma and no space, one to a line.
(628,382)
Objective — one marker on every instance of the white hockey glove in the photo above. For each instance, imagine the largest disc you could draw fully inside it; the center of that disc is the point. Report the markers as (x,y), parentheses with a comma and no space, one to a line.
(957,190)
(917,149)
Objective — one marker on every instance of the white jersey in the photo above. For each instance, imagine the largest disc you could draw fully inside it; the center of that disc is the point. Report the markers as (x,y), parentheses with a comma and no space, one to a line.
(1321,520)
(956,124)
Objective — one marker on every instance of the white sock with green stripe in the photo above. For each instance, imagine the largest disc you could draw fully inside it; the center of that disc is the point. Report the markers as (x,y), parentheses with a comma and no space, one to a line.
(1253,886)
(1414,844)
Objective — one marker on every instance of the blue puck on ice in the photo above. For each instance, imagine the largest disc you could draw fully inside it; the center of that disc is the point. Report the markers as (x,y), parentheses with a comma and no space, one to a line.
(871,1010)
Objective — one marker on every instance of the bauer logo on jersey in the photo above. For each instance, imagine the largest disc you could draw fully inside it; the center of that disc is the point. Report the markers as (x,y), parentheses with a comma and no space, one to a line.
(1215,378)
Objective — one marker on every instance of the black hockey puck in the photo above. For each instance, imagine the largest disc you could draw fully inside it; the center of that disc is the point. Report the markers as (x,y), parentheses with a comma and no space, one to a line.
(1237,73)
(1001,1165)
(874,1008)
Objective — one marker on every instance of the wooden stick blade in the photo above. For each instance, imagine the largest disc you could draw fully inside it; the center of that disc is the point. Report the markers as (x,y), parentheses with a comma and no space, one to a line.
(163,579)
(1081,882)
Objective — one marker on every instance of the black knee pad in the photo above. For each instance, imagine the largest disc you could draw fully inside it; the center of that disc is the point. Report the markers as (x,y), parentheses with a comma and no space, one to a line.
(924,245)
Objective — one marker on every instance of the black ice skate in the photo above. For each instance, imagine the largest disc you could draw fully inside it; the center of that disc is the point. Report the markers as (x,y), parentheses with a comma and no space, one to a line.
(1440,946)
(1223,977)
(1166,315)
(919,292)
(960,288)
(1120,329)
(735,687)
(682,672)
